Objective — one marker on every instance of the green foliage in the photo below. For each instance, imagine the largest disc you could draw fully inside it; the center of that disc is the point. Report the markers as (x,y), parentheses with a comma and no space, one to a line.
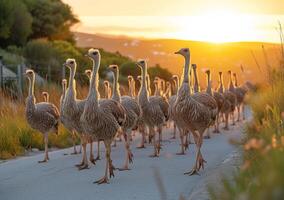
(157,70)
(52,19)
(15,23)
(261,176)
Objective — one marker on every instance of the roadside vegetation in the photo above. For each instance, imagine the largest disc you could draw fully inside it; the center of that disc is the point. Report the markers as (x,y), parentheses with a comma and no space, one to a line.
(261,174)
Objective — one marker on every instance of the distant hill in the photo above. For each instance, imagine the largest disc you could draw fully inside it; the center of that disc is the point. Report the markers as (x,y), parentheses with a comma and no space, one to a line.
(206,55)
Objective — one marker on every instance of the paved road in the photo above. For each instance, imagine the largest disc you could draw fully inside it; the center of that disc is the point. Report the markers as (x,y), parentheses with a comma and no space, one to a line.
(24,178)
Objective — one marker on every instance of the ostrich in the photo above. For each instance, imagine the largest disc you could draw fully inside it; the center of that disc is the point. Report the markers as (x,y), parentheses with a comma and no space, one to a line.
(196,87)
(192,115)
(240,93)
(153,112)
(132,112)
(88,73)
(101,118)
(45,96)
(107,90)
(64,120)
(226,107)
(172,100)
(43,117)
(72,109)
(218,98)
(168,92)
(131,86)
(232,96)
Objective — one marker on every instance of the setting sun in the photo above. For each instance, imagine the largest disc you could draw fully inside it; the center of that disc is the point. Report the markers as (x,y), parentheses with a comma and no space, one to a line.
(215,26)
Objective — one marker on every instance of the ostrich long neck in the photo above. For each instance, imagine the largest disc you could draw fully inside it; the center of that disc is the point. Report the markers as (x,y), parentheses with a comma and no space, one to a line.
(31,97)
(236,81)
(196,81)
(71,85)
(93,89)
(168,91)
(143,93)
(209,87)
(157,91)
(116,93)
(185,86)
(130,88)
(231,85)
(133,88)
(148,84)
(221,87)
(106,91)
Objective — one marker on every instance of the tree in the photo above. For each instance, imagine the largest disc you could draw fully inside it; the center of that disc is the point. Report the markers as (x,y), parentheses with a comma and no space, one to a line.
(15,23)
(52,19)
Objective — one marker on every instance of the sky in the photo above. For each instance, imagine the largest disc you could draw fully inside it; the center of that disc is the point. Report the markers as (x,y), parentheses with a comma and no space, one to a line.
(203,20)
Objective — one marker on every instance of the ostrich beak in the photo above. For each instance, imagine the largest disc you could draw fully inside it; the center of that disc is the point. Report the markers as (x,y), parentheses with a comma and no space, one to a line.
(177,52)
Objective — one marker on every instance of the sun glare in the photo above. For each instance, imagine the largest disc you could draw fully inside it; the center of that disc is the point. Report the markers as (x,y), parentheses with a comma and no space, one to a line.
(216,27)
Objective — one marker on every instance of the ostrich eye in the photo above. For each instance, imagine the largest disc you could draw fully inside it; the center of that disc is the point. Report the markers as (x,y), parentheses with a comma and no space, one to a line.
(72,62)
(142,61)
(185,50)
(95,53)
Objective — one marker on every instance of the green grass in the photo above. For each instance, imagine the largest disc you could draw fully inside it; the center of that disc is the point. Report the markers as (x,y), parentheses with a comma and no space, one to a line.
(261,175)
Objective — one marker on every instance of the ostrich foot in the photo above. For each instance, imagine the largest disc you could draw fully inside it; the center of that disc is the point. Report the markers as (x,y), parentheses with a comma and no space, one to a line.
(192,172)
(74,153)
(186,145)
(216,131)
(111,169)
(97,158)
(43,161)
(85,166)
(206,137)
(233,124)
(180,153)
(154,155)
(172,138)
(130,157)
(226,128)
(201,163)
(158,148)
(103,180)
(142,146)
(114,145)
(93,160)
(125,168)
(80,164)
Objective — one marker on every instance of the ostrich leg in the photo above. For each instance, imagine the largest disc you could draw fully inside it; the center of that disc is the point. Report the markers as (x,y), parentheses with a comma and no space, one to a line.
(233,118)
(174,133)
(92,159)
(84,163)
(159,146)
(129,155)
(152,134)
(141,129)
(199,162)
(109,168)
(244,113)
(181,135)
(74,143)
(239,114)
(226,121)
(98,151)
(46,158)
(216,130)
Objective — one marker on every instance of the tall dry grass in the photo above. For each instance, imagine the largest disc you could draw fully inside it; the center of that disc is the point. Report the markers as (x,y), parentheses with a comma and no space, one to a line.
(16,136)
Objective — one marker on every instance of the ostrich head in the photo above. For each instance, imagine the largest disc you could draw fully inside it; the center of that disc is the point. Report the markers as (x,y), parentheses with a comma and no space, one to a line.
(30,74)
(194,66)
(142,64)
(156,80)
(230,72)
(64,82)
(106,83)
(70,63)
(175,78)
(139,78)
(184,52)
(168,84)
(88,73)
(45,96)
(220,73)
(93,54)
(113,68)
(130,78)
(235,75)
(207,71)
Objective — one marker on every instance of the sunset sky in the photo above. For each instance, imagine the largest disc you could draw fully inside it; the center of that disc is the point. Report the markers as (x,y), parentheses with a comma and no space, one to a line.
(204,20)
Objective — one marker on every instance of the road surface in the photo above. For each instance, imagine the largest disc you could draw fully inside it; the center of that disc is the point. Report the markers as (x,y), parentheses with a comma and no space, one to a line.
(24,178)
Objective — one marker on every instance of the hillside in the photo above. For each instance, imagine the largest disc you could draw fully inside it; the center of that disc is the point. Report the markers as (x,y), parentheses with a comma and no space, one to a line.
(206,55)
